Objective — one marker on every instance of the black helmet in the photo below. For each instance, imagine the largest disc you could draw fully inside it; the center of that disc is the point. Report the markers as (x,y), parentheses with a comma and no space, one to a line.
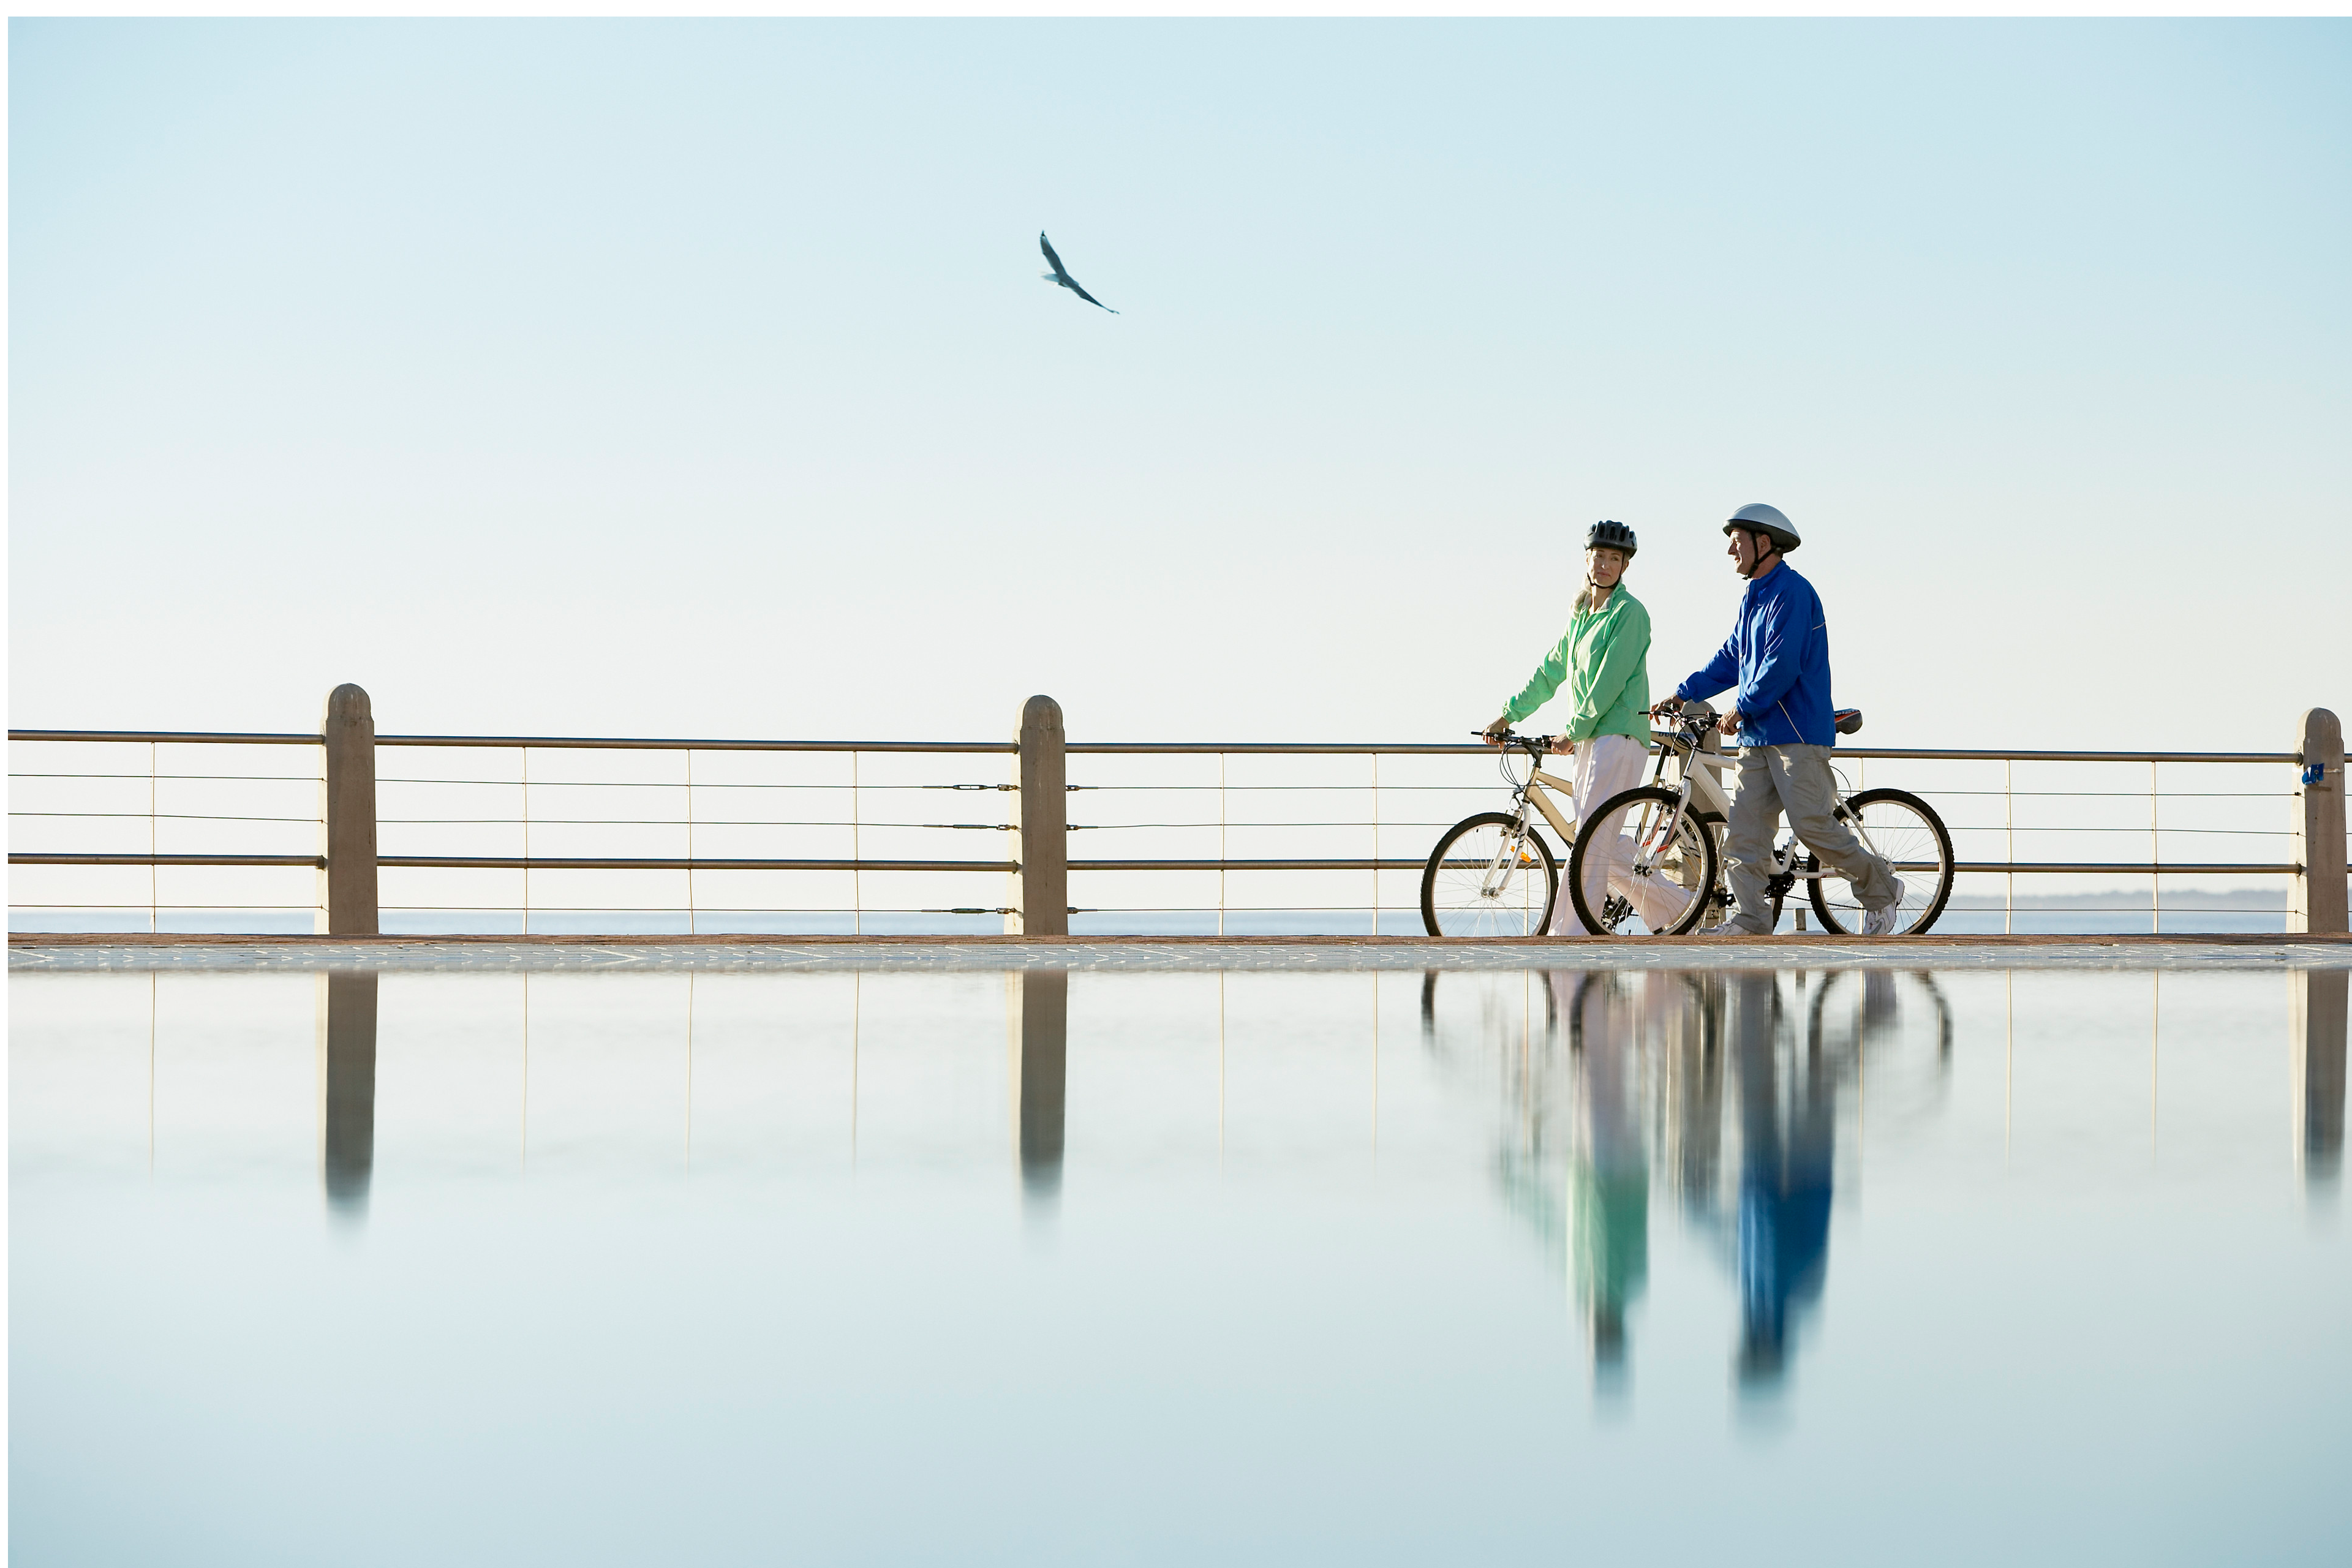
(1608,535)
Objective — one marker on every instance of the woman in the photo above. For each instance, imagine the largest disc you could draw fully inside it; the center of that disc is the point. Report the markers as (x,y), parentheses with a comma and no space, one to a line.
(1604,659)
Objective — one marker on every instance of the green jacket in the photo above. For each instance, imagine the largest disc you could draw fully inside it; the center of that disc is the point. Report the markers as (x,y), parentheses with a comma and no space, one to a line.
(1603,656)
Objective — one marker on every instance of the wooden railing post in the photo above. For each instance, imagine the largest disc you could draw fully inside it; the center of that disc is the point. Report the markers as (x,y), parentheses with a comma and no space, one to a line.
(2317,900)
(347,898)
(1040,901)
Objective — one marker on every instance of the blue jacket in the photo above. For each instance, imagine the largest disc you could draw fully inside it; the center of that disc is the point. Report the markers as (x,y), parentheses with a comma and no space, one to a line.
(1779,655)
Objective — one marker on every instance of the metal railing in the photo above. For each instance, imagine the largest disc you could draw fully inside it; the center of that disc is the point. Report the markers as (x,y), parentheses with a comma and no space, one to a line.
(1293,822)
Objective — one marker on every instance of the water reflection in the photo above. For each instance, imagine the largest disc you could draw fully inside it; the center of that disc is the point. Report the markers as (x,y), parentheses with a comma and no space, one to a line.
(1788,1132)
(1040,1004)
(1729,1091)
(1587,1189)
(347,1089)
(1730,1088)
(1609,1180)
(2318,1027)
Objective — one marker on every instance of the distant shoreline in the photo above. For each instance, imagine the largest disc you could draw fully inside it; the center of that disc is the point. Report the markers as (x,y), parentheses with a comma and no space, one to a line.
(2127,899)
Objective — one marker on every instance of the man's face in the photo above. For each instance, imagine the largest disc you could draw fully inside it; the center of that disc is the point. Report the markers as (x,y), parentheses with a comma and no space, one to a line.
(1742,551)
(1604,565)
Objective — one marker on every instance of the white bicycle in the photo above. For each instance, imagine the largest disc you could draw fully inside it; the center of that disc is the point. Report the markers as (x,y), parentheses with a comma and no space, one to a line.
(1671,829)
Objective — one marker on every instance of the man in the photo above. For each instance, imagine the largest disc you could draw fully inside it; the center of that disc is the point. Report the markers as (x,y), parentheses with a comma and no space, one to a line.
(1603,660)
(1778,657)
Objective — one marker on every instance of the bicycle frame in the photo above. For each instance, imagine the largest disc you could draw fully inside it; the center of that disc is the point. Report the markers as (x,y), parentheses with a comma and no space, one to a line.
(1533,794)
(1530,794)
(1700,778)
(1695,780)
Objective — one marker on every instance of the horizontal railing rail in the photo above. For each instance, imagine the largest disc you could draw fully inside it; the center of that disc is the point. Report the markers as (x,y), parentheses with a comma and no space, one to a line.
(680,863)
(2051,868)
(172,737)
(532,742)
(1336,863)
(316,862)
(1074,748)
(1472,748)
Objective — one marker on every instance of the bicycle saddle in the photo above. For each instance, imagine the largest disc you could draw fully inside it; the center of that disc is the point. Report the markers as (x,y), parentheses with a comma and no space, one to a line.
(1849,721)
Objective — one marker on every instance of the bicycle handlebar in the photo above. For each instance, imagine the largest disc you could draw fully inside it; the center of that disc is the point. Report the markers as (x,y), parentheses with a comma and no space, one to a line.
(1848,720)
(1531,743)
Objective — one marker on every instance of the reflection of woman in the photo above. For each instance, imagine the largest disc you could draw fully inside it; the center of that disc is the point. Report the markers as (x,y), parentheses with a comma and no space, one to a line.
(1603,659)
(1609,1180)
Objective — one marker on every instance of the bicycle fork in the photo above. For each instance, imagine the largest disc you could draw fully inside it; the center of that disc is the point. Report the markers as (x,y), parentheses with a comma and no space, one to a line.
(1651,849)
(1509,855)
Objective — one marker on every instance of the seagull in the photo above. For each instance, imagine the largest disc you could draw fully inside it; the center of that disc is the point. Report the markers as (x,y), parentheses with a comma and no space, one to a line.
(1060,275)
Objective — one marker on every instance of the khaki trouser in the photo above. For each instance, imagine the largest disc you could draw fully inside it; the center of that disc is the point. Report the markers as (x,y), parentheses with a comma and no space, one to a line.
(1795,779)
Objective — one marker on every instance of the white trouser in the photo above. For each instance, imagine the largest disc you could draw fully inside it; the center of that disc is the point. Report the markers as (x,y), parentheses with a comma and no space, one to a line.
(1607,765)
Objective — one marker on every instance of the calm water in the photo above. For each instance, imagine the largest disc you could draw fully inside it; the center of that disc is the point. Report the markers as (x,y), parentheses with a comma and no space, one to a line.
(1855,1267)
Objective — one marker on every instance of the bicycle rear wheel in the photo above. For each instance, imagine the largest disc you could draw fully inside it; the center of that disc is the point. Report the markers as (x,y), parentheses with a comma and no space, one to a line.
(1904,829)
(1665,879)
(1485,878)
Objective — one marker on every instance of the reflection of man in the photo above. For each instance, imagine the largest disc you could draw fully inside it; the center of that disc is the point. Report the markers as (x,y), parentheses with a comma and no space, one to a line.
(1784,1179)
(1609,1179)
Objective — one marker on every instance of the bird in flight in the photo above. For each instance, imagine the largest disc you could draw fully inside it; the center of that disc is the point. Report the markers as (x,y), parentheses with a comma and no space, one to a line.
(1061,274)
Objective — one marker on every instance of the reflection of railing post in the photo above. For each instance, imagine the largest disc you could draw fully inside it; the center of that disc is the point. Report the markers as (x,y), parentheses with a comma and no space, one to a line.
(2317,1024)
(347,895)
(1042,886)
(347,1089)
(2317,902)
(1041,1016)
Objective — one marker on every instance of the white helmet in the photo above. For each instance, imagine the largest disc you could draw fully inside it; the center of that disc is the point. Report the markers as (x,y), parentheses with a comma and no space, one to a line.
(1757,518)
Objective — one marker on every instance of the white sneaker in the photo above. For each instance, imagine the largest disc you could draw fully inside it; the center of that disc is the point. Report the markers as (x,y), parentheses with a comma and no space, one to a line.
(1728,927)
(1881,922)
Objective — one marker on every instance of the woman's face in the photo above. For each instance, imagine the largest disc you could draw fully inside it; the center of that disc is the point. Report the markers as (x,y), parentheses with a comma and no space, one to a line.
(1604,565)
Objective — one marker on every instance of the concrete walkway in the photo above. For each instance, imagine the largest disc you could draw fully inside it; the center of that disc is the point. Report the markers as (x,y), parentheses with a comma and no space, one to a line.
(45,953)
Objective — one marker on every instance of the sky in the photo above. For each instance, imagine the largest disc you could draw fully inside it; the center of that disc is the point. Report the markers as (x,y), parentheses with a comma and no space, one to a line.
(672,379)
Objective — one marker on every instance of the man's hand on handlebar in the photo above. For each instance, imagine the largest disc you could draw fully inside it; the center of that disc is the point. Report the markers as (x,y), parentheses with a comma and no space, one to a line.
(1496,731)
(1696,718)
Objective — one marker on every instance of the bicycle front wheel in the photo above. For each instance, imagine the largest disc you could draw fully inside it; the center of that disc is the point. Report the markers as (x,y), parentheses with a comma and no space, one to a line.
(1906,831)
(1488,877)
(1663,865)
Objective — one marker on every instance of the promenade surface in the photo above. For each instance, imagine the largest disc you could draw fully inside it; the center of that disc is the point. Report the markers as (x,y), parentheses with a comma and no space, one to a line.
(37,952)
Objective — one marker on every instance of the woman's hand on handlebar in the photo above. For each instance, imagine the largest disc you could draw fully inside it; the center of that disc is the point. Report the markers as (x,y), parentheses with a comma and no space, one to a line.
(1496,731)
(1667,709)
